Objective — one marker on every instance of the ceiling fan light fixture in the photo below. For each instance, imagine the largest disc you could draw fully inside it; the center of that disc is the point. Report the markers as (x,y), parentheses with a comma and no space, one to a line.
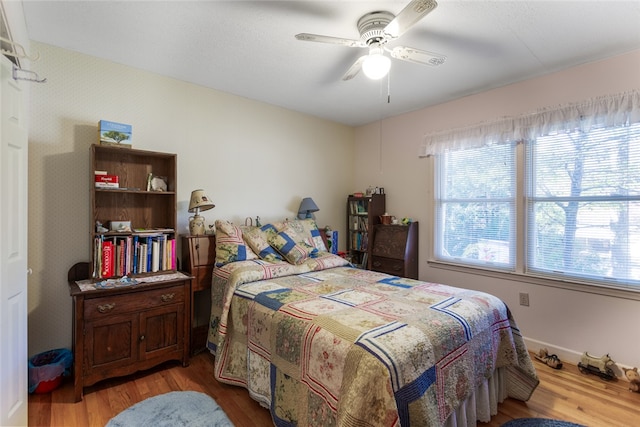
(376,65)
(378,28)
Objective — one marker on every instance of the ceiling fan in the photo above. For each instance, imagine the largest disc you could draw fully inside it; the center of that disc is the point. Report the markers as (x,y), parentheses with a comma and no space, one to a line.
(376,30)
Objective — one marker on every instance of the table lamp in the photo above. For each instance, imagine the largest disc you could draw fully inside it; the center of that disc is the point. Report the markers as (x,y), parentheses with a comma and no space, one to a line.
(199,202)
(307,207)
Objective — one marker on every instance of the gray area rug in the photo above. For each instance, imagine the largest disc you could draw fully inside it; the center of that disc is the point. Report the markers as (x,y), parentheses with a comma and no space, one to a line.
(539,422)
(177,408)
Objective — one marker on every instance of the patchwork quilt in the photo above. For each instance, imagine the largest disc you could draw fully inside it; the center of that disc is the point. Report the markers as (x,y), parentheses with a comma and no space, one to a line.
(326,344)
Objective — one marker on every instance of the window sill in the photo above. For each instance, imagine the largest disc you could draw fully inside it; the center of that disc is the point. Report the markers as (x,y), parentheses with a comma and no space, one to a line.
(586,287)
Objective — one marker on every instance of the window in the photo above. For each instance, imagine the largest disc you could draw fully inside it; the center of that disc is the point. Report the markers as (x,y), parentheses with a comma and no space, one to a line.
(475,206)
(583,204)
(580,197)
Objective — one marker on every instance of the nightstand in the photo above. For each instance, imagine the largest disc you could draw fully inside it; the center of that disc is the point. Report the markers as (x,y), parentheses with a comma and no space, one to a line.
(198,259)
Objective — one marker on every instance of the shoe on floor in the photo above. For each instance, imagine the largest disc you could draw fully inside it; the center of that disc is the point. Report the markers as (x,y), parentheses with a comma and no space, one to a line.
(550,360)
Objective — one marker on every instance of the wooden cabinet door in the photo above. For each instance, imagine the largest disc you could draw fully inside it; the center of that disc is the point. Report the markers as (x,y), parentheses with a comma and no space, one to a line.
(161,331)
(111,343)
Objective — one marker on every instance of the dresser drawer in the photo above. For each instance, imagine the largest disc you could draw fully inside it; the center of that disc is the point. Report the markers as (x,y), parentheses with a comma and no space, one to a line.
(388,265)
(95,308)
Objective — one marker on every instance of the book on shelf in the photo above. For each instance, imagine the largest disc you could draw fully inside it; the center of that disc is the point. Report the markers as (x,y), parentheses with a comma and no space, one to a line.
(107,181)
(172,256)
(97,257)
(129,256)
(136,252)
(142,258)
(119,260)
(115,134)
(149,253)
(155,257)
(107,259)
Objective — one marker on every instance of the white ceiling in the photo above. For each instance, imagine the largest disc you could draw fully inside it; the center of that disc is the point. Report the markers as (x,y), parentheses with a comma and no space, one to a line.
(248,47)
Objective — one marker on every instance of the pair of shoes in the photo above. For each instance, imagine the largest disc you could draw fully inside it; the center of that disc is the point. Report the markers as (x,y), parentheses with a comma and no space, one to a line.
(550,360)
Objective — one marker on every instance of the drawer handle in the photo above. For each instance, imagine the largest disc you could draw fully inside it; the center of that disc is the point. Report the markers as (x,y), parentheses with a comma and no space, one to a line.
(377,263)
(142,337)
(105,308)
(167,297)
(397,268)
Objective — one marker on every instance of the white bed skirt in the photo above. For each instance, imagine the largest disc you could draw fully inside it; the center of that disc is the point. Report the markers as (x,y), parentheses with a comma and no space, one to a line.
(482,404)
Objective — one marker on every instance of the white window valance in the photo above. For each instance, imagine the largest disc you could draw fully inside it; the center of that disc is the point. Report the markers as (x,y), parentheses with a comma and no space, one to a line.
(610,110)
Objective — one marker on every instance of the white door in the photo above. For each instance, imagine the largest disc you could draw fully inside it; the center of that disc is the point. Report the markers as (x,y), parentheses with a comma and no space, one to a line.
(13,249)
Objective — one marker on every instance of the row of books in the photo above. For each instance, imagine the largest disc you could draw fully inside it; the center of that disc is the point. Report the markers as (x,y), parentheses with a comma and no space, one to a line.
(359,241)
(133,254)
(358,207)
(359,223)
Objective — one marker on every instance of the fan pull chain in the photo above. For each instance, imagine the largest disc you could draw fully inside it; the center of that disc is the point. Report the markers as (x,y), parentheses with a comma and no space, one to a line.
(380,118)
(389,87)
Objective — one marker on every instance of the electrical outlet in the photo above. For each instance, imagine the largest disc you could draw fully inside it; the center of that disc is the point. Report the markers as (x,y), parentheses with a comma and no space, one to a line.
(524,299)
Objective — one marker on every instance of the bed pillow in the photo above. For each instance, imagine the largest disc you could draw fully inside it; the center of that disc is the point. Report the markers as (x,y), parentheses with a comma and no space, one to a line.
(286,242)
(307,232)
(258,240)
(230,246)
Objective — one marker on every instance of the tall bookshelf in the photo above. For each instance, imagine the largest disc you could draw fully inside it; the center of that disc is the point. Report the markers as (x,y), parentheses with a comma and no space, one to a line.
(151,214)
(363,213)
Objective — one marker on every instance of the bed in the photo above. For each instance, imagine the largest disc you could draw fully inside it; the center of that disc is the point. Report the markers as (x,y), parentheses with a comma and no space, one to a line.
(322,343)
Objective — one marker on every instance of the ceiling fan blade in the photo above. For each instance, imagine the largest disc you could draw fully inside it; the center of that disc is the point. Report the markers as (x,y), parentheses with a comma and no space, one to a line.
(417,56)
(328,39)
(412,13)
(354,69)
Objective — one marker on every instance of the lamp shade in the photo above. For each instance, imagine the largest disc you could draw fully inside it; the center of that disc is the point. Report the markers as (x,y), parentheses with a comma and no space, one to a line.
(199,202)
(307,206)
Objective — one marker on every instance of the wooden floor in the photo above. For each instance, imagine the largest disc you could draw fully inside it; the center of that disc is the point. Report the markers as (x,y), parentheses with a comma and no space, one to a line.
(562,394)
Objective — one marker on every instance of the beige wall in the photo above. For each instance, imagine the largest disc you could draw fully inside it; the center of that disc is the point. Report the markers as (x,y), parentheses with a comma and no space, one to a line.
(250,157)
(565,321)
